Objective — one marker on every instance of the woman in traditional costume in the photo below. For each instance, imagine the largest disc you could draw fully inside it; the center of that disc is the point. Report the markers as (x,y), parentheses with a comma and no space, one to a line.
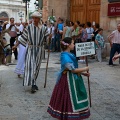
(69,100)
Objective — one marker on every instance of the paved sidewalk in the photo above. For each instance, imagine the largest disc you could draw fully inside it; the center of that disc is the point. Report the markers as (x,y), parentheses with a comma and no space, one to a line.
(17,103)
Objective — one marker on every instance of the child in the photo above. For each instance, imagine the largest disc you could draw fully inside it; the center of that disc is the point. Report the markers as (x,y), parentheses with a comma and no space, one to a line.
(99,41)
(69,99)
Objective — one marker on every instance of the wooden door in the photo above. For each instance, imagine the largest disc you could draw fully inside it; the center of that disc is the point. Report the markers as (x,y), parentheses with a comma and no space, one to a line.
(85,10)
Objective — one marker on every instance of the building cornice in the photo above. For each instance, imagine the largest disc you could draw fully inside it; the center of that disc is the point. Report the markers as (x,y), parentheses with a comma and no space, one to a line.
(12,6)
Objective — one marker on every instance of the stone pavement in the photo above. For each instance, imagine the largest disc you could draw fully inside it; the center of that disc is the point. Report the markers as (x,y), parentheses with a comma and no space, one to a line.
(17,103)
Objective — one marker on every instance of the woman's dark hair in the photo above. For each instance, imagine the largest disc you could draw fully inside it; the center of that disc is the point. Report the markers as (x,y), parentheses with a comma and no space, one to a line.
(97,25)
(72,23)
(67,23)
(65,42)
(100,29)
(11,18)
(78,22)
(88,24)
(82,25)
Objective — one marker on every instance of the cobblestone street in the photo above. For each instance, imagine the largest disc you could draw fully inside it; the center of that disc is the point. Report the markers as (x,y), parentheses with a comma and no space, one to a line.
(17,103)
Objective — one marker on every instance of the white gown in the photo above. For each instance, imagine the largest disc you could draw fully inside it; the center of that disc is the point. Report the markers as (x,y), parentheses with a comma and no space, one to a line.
(21,60)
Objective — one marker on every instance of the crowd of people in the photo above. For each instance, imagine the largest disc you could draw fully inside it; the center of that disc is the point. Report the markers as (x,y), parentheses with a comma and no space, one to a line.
(60,29)
(79,33)
(69,100)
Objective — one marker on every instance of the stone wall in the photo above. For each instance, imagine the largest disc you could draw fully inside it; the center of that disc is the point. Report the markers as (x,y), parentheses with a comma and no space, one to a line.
(107,23)
(60,8)
(12,7)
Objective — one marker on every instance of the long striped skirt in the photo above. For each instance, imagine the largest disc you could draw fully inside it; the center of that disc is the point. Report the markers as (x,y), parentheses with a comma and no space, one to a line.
(60,105)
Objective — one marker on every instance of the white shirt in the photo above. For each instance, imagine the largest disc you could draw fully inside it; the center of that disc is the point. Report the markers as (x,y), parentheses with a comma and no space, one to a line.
(21,28)
(12,29)
(49,30)
(115,37)
(89,32)
(53,31)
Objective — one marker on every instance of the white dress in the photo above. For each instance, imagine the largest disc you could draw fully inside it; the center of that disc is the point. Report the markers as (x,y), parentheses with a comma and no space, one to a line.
(21,60)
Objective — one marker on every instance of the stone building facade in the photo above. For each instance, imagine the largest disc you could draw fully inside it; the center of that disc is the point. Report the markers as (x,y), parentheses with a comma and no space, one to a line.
(107,23)
(63,9)
(11,8)
(60,8)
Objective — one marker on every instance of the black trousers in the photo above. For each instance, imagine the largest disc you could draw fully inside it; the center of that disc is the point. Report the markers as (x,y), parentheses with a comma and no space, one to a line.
(115,48)
(12,40)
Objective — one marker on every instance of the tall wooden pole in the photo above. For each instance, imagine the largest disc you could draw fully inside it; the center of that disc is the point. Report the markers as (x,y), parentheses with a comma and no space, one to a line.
(48,57)
(88,83)
(52,12)
(26,10)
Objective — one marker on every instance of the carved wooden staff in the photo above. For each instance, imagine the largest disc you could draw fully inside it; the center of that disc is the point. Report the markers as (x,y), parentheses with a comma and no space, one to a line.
(48,55)
(88,83)
(47,62)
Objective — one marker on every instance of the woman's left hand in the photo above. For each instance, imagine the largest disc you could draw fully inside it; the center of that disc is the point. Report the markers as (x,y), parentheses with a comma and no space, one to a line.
(86,74)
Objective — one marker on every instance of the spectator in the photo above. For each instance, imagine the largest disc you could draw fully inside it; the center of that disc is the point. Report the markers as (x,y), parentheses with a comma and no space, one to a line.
(96,27)
(58,34)
(90,31)
(67,31)
(73,29)
(114,40)
(52,47)
(77,29)
(77,35)
(83,38)
(13,34)
(99,44)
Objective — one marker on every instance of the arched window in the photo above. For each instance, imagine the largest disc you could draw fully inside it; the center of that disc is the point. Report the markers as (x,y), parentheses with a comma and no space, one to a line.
(3,14)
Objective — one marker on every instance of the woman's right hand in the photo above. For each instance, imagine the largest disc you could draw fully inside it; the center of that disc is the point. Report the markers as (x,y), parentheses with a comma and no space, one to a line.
(86,68)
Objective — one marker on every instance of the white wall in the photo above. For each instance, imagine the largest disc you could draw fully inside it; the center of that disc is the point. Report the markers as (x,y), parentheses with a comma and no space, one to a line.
(12,7)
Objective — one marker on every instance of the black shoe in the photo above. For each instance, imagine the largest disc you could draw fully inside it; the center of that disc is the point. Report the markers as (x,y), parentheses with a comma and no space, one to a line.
(33,89)
(36,87)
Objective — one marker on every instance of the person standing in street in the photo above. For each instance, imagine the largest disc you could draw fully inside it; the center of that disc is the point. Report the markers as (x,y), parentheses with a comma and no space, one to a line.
(58,34)
(67,31)
(83,38)
(90,31)
(52,47)
(95,32)
(114,40)
(13,34)
(33,36)
(100,43)
(69,100)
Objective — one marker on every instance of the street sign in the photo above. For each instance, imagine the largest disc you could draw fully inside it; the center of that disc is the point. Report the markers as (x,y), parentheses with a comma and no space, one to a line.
(113,0)
(114,9)
(85,49)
